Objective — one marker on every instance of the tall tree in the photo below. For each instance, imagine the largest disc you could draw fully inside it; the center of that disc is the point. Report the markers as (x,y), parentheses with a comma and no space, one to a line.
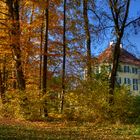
(64,56)
(3,80)
(41,46)
(45,58)
(120,11)
(88,38)
(13,11)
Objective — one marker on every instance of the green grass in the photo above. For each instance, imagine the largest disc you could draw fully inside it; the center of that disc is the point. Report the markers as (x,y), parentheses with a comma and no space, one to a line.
(66,131)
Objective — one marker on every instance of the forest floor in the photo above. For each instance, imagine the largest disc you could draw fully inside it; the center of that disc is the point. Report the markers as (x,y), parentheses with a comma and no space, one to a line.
(63,130)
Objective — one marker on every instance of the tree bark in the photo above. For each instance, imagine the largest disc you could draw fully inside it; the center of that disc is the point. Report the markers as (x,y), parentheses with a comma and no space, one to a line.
(41,46)
(64,57)
(13,7)
(45,59)
(116,55)
(88,39)
(119,32)
(3,79)
(2,88)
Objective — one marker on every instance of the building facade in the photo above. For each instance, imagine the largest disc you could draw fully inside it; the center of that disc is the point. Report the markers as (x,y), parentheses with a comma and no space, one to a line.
(128,73)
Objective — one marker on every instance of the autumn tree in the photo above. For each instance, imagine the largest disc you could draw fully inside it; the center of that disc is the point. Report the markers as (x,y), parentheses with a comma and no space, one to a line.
(45,56)
(64,56)
(3,28)
(13,12)
(120,13)
(88,38)
(7,63)
(3,79)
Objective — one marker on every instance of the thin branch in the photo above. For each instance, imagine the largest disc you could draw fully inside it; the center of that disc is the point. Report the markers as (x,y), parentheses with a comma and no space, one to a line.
(4,13)
(3,24)
(3,19)
(106,27)
(94,13)
(133,21)
(126,16)
(115,16)
(106,15)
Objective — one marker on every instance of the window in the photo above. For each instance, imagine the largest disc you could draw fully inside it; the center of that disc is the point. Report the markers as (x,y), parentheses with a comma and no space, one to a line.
(120,68)
(119,80)
(135,84)
(126,69)
(134,70)
(127,81)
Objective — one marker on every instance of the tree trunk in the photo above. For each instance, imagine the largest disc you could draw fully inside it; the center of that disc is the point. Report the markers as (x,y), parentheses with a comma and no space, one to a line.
(3,79)
(88,39)
(14,82)
(119,31)
(64,58)
(41,46)
(2,88)
(45,59)
(13,7)
(116,55)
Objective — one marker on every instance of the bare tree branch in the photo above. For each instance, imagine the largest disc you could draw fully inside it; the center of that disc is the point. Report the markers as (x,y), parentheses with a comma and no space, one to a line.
(133,21)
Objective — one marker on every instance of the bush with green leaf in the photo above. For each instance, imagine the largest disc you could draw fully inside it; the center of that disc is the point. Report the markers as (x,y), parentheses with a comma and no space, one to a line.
(90,102)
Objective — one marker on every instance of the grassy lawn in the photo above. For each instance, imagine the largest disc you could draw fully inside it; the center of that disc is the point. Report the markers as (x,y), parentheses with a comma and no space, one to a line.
(25,130)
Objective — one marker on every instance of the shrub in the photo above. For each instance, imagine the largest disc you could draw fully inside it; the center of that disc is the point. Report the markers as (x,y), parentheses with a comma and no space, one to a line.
(11,108)
(90,102)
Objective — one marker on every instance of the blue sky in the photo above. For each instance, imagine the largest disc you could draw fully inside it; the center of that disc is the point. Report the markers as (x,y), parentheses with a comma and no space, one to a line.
(133,45)
(135,38)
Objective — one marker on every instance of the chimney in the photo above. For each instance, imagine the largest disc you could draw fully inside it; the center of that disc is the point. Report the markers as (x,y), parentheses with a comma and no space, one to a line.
(121,46)
(111,43)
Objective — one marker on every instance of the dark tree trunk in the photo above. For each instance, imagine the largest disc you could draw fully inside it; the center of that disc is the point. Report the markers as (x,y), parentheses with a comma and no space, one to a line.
(116,55)
(3,79)
(2,88)
(45,59)
(40,65)
(13,6)
(14,82)
(88,39)
(64,57)
(119,31)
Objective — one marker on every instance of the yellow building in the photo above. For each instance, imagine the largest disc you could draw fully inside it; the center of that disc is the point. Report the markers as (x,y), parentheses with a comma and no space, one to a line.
(128,71)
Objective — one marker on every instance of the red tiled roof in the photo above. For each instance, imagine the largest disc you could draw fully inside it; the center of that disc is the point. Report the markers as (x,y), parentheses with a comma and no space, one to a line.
(125,57)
